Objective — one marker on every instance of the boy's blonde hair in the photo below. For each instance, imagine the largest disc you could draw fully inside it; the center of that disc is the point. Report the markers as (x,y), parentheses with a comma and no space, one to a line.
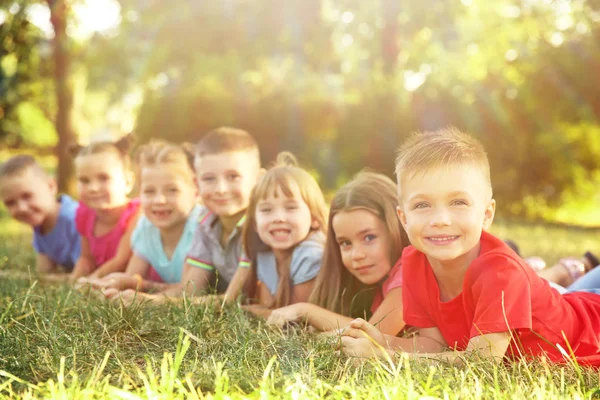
(20,163)
(285,175)
(336,289)
(424,151)
(225,140)
(159,152)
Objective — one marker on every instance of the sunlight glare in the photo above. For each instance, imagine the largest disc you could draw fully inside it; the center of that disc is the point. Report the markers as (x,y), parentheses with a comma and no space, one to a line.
(413,80)
(347,17)
(39,15)
(95,16)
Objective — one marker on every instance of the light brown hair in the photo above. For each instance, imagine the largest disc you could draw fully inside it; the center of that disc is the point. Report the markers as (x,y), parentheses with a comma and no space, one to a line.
(424,151)
(335,287)
(225,140)
(285,175)
(159,152)
(17,164)
(120,148)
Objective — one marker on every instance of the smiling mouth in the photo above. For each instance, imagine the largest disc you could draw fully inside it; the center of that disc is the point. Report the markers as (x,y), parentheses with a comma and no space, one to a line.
(280,233)
(364,269)
(161,214)
(442,239)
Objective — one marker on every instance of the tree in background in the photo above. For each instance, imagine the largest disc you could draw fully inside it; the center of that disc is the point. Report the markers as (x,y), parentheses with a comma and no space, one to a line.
(341,82)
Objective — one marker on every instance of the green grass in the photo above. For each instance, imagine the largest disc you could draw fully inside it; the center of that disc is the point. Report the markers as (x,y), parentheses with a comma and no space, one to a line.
(58,343)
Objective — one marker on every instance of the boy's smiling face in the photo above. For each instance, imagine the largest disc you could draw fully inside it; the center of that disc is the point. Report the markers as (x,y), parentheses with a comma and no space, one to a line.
(444,211)
(29,196)
(226,180)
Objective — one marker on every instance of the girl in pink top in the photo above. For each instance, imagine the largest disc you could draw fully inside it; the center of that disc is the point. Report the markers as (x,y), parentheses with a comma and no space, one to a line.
(106,216)
(362,253)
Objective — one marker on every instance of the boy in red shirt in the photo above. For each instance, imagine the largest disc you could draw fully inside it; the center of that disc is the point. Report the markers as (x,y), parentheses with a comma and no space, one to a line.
(466,290)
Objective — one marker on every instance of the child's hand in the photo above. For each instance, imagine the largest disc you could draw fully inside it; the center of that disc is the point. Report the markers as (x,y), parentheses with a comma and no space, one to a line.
(361,339)
(284,315)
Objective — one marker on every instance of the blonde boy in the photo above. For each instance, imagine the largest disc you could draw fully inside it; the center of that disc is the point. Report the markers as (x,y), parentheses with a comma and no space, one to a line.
(464,289)
(30,196)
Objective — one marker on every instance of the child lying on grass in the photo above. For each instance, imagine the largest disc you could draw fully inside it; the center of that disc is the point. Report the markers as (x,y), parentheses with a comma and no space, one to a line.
(465,289)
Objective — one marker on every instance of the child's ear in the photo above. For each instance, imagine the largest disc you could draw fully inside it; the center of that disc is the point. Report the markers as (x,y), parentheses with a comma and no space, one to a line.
(401,216)
(314,225)
(53,186)
(488,217)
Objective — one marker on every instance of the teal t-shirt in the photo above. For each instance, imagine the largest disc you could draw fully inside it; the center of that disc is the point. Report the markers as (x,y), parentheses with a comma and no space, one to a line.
(146,243)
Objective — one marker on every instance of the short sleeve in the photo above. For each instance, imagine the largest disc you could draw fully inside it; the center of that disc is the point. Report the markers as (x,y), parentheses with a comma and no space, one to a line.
(130,212)
(306,262)
(244,261)
(415,290)
(37,246)
(500,295)
(394,279)
(199,254)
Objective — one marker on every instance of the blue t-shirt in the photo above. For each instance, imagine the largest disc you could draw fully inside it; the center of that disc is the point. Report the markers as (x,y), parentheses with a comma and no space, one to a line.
(62,244)
(304,266)
(146,243)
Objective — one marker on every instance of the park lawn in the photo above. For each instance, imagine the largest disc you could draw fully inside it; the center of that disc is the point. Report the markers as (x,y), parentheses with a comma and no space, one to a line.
(58,343)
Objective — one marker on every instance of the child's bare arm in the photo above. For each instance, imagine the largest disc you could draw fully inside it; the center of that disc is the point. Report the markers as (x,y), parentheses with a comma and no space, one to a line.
(85,264)
(130,279)
(388,317)
(44,265)
(360,337)
(234,289)
(301,292)
(119,262)
(318,317)
(193,280)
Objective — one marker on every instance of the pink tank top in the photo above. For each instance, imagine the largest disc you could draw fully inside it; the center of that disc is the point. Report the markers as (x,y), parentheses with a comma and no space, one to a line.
(104,247)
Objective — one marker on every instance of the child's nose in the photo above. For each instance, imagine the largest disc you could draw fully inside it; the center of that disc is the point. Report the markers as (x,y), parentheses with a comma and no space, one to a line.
(441,217)
(279,215)
(221,186)
(358,253)
(21,206)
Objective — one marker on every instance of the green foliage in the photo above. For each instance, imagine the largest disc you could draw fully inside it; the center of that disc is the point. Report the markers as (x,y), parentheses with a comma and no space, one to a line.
(25,101)
(341,83)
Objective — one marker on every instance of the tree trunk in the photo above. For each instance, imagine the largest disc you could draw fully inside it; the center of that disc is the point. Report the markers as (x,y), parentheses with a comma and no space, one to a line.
(64,93)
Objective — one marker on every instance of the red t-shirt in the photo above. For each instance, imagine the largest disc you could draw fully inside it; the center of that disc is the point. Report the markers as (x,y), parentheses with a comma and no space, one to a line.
(502,293)
(393,280)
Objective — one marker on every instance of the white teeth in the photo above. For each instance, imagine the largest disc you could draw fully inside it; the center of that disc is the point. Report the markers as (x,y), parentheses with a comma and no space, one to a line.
(443,239)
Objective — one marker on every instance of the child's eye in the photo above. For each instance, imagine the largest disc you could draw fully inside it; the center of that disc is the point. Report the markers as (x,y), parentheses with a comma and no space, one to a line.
(233,177)
(264,209)
(345,244)
(291,207)
(458,203)
(173,190)
(148,191)
(207,178)
(9,203)
(370,238)
(420,206)
(83,180)
(103,178)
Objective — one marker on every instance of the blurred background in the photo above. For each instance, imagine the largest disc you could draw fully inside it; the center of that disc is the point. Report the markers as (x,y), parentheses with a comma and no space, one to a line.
(338,82)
